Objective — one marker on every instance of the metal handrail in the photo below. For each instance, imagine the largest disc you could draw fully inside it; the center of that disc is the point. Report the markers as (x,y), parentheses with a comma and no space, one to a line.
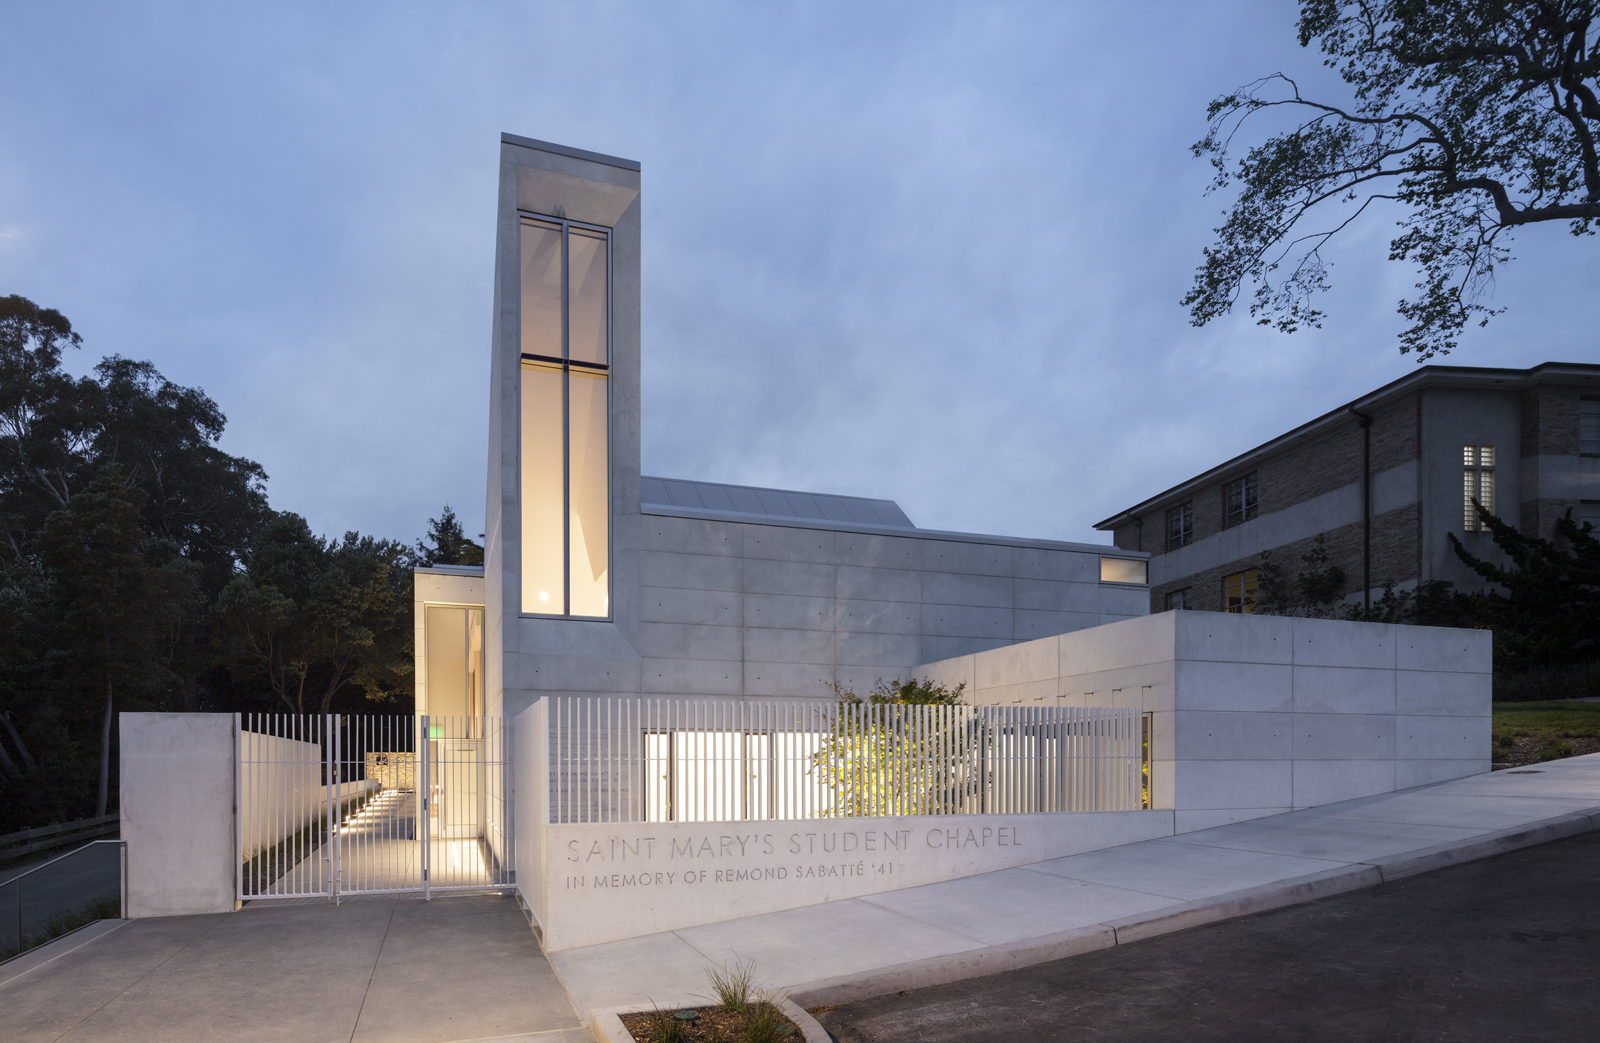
(45,865)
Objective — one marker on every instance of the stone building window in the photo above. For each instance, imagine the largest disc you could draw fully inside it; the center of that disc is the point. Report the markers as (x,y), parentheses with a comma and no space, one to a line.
(1477,483)
(1239,592)
(1589,426)
(1589,511)
(565,419)
(1180,526)
(1239,500)
(1178,599)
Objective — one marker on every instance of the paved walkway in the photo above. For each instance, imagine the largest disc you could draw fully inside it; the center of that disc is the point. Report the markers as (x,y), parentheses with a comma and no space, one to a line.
(1000,921)
(453,969)
(460,969)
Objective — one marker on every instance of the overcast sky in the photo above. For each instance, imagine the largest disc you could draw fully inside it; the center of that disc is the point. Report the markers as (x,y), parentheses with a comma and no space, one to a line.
(910,250)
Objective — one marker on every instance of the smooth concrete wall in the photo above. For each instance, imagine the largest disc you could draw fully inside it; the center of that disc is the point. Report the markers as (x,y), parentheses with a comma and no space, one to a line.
(177,793)
(280,788)
(530,737)
(552,180)
(772,610)
(609,882)
(1254,715)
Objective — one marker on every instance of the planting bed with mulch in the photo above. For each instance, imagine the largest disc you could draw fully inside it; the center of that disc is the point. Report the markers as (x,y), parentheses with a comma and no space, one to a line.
(1528,749)
(1528,733)
(760,1023)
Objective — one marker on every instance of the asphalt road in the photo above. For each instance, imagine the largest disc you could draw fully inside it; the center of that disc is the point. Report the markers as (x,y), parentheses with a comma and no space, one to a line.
(1503,949)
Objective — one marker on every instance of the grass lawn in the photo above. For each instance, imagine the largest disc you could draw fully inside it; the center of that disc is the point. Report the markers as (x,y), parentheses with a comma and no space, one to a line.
(1526,733)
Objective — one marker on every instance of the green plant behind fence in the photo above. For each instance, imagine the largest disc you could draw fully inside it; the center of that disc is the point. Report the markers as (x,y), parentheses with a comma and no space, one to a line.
(908,748)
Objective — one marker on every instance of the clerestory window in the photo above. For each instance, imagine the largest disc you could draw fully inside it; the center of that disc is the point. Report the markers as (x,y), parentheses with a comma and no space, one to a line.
(565,419)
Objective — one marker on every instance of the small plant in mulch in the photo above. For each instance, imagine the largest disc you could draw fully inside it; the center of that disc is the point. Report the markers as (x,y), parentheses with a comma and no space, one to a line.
(742,1014)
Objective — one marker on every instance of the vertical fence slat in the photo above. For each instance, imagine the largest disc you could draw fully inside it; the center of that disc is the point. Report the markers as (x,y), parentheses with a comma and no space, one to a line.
(616,759)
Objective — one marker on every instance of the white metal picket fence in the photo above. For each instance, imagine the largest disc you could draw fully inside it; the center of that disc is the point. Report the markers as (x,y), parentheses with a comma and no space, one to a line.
(649,760)
(332,806)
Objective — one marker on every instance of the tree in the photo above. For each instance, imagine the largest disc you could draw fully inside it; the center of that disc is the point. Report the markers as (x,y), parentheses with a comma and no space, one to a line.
(1476,116)
(1549,614)
(1313,592)
(312,617)
(894,753)
(57,433)
(44,434)
(909,692)
(447,544)
(44,775)
(206,502)
(123,596)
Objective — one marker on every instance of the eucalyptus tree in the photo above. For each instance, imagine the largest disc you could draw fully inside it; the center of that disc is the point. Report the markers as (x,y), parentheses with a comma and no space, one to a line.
(122,597)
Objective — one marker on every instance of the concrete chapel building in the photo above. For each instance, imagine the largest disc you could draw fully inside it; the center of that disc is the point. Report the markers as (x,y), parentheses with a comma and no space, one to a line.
(628,716)
(600,580)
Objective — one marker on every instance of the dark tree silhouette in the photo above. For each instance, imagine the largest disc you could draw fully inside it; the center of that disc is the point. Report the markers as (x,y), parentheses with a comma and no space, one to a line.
(1476,116)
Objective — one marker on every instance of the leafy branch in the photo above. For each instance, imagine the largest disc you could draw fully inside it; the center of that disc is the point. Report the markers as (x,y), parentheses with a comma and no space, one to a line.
(1477,117)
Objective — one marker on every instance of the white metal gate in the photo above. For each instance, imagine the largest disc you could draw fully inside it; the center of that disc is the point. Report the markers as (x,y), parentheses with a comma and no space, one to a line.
(330,806)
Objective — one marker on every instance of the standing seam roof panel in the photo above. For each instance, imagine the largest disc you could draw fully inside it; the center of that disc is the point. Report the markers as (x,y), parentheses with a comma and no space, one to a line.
(775,503)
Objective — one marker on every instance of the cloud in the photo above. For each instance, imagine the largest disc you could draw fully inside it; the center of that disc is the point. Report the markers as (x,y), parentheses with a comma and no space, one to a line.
(928,252)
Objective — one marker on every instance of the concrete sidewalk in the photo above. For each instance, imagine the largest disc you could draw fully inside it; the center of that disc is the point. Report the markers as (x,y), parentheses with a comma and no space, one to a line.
(1000,921)
(453,969)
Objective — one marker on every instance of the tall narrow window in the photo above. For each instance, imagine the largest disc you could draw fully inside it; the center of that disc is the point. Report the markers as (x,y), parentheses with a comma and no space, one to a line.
(1239,500)
(1477,483)
(565,414)
(1180,526)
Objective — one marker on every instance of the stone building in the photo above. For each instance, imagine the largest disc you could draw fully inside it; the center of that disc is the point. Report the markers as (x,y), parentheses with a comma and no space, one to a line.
(1383,479)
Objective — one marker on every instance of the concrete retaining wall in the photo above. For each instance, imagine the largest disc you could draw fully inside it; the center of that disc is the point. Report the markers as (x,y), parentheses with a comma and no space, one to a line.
(609,882)
(1255,715)
(177,792)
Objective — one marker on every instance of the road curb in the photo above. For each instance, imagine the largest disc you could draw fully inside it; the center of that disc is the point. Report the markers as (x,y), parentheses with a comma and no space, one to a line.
(1398,867)
(942,970)
(979,963)
(1243,902)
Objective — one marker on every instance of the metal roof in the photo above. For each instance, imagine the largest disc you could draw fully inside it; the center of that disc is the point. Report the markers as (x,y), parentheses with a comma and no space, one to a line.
(753,503)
